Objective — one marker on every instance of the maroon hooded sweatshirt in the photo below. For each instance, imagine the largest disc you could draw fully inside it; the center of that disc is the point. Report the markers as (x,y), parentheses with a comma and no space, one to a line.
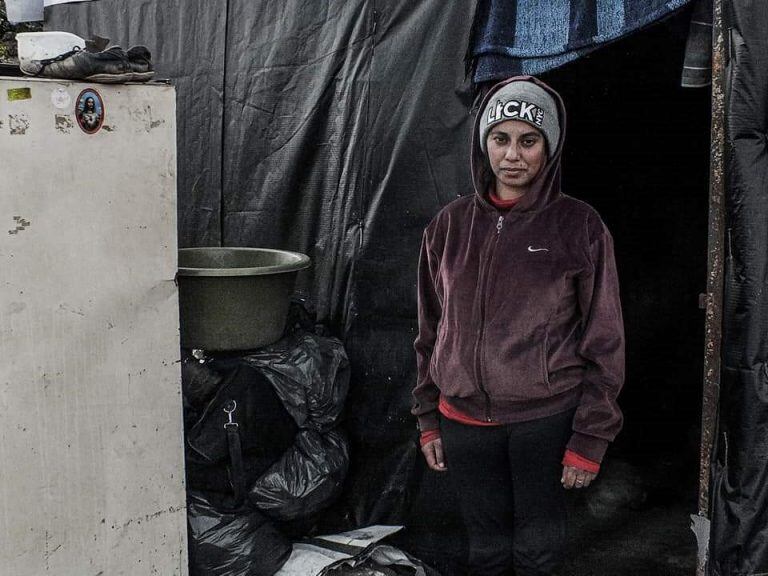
(519,312)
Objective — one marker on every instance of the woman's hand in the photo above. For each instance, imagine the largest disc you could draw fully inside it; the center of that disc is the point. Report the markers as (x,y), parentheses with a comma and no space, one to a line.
(433,454)
(575,477)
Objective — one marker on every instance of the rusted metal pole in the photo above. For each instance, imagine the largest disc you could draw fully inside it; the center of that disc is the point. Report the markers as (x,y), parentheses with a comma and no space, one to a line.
(715,266)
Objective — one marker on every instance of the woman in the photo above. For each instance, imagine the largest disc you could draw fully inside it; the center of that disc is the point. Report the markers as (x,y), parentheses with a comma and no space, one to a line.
(520,348)
(89,116)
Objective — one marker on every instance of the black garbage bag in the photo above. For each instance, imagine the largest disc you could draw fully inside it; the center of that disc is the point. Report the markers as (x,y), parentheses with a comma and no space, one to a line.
(199,383)
(306,479)
(232,543)
(310,374)
(264,430)
(285,400)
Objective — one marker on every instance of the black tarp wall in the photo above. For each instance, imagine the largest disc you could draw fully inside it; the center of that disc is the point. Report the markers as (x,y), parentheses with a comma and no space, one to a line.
(739,539)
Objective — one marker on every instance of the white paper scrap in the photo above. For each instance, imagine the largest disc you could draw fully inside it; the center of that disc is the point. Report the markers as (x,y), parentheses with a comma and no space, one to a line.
(363,536)
(54,2)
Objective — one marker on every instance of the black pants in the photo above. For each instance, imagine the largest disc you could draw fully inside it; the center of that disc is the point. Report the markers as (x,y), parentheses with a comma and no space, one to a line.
(507,479)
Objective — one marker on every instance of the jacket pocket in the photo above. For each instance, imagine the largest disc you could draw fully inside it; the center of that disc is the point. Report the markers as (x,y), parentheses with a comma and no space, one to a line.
(452,365)
(545,360)
(517,368)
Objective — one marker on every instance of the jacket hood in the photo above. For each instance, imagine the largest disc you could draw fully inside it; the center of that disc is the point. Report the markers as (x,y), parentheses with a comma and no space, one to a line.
(546,188)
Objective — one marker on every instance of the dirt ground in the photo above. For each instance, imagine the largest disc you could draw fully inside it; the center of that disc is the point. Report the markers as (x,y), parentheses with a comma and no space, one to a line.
(655,541)
(634,522)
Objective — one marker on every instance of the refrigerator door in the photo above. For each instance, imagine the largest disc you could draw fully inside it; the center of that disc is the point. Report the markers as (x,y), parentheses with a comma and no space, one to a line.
(91,480)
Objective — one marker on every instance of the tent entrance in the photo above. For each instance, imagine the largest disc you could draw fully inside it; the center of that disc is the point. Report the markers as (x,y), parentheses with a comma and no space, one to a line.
(637,149)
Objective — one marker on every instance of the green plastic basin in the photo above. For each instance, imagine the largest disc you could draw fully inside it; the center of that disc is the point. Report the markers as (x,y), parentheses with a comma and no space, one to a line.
(235,298)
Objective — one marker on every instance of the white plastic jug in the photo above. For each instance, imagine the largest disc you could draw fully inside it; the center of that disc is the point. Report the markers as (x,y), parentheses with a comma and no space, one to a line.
(42,45)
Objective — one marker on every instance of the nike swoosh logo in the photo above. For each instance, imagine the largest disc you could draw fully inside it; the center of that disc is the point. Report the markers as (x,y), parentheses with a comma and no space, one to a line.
(532,249)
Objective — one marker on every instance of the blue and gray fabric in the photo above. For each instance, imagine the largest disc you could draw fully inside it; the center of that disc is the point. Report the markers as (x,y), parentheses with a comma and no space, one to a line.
(531,36)
(697,67)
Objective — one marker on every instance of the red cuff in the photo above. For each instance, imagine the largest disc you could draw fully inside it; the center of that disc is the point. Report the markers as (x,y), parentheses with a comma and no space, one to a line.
(577,461)
(429,436)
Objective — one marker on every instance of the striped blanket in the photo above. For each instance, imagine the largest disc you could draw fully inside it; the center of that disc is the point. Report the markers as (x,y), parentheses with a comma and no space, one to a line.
(532,36)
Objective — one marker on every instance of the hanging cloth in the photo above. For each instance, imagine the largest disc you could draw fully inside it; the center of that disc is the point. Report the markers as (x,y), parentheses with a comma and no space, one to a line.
(513,37)
(697,67)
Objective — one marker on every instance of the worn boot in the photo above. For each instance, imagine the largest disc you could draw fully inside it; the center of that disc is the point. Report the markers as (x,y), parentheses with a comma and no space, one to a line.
(110,66)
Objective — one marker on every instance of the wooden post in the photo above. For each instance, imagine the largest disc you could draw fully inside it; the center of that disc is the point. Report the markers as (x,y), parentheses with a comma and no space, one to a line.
(715,267)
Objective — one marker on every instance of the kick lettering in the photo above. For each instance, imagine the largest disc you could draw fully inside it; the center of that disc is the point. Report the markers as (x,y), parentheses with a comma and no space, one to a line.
(514,109)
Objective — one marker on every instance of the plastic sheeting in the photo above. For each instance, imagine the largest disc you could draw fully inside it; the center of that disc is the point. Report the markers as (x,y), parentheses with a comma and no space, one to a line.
(379,560)
(306,479)
(286,400)
(739,538)
(265,429)
(310,375)
(303,378)
(342,127)
(358,553)
(242,543)
(313,555)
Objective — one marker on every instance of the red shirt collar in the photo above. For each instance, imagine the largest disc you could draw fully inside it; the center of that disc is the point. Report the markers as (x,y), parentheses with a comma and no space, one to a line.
(502,204)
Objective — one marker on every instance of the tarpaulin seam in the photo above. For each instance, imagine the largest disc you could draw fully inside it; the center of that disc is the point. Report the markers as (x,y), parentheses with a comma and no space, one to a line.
(362,209)
(366,188)
(223,127)
(432,176)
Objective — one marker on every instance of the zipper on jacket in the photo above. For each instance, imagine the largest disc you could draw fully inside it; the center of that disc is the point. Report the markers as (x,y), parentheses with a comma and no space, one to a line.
(479,345)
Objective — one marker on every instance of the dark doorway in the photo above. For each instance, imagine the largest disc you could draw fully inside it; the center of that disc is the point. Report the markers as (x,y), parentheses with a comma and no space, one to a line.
(638,151)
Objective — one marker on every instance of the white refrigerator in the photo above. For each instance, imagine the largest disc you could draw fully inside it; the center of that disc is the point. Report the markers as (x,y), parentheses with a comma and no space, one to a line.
(91,439)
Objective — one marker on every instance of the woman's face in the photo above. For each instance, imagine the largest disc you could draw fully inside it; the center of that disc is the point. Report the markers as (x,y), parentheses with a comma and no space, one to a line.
(517,152)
